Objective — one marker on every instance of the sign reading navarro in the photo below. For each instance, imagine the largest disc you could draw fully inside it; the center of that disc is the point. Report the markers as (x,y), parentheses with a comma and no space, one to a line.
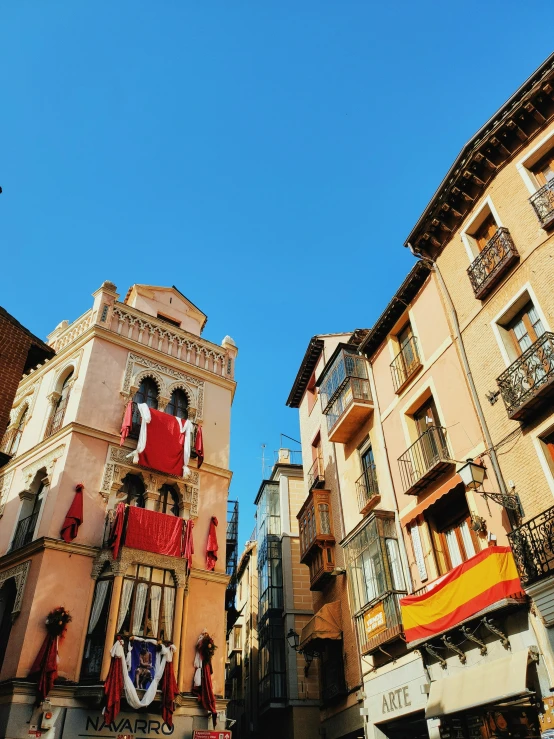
(125,727)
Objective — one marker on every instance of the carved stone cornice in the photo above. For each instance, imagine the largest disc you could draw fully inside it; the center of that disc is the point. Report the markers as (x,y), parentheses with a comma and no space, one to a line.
(46,542)
(104,562)
(220,577)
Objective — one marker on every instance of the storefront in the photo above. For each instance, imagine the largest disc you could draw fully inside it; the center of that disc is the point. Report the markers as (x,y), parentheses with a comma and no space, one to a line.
(395,700)
(492,700)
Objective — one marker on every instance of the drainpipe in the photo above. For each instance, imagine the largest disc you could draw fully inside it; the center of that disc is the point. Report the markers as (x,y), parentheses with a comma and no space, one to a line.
(473,390)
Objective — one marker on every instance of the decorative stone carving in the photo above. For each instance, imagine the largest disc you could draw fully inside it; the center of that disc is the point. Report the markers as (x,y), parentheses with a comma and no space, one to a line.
(47,462)
(5,484)
(19,574)
(118,466)
(167,380)
(128,557)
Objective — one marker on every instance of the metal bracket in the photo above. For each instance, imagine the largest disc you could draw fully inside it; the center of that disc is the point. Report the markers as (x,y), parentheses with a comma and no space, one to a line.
(469,635)
(429,649)
(447,641)
(511,502)
(495,630)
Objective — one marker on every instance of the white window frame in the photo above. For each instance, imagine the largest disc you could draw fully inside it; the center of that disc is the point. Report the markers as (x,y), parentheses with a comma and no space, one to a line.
(508,311)
(524,165)
(474,222)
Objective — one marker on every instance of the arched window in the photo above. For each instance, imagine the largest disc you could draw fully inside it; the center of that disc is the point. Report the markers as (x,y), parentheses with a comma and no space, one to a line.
(29,513)
(17,433)
(178,404)
(134,487)
(147,393)
(58,412)
(169,500)
(8,594)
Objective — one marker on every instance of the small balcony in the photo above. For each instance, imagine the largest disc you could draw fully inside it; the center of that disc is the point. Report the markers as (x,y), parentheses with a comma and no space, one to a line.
(367,490)
(56,419)
(405,365)
(543,204)
(380,622)
(488,269)
(425,461)
(24,532)
(316,474)
(317,541)
(533,548)
(345,395)
(529,381)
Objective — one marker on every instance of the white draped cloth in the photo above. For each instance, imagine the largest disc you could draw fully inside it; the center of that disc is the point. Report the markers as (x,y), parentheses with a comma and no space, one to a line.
(163,656)
(185,426)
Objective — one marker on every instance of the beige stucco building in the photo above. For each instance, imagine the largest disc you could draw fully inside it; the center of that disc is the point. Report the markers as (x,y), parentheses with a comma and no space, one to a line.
(67,416)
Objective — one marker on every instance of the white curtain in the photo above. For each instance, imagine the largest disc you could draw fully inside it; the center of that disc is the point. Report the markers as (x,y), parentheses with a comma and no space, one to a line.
(466,538)
(169,606)
(140,603)
(145,419)
(99,598)
(453,547)
(155,602)
(395,566)
(163,656)
(125,600)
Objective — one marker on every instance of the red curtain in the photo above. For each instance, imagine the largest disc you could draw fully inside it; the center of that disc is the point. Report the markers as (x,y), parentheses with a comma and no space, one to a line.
(45,666)
(74,517)
(205,692)
(154,532)
(127,422)
(113,687)
(199,446)
(169,690)
(117,529)
(164,444)
(189,543)
(212,547)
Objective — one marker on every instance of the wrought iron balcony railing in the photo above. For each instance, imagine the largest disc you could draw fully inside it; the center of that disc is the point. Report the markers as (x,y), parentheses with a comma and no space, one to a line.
(56,419)
(405,364)
(492,263)
(367,489)
(533,547)
(24,532)
(530,379)
(353,390)
(543,204)
(316,474)
(380,621)
(425,460)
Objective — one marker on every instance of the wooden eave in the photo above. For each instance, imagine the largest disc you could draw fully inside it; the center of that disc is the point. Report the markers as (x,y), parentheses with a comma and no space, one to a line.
(313,352)
(520,119)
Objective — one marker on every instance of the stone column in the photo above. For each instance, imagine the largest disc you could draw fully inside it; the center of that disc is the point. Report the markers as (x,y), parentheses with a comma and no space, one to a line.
(183,646)
(178,621)
(112,623)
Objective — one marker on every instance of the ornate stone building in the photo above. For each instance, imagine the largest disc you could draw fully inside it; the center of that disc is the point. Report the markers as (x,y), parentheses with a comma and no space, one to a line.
(68,413)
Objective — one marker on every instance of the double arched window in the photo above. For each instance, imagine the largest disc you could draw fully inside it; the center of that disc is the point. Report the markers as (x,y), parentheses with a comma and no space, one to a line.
(134,488)
(147,393)
(169,500)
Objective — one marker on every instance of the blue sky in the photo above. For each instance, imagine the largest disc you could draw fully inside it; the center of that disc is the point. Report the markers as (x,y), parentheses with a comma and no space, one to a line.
(268,158)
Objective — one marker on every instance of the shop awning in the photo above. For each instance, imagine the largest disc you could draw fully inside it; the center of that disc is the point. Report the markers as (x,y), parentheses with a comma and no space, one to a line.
(446,487)
(489,683)
(326,624)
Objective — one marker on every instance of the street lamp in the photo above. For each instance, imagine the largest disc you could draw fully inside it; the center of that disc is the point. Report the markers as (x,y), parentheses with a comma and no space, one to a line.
(473,475)
(293,639)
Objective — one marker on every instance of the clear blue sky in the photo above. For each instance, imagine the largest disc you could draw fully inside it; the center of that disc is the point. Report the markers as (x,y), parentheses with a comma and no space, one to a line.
(268,158)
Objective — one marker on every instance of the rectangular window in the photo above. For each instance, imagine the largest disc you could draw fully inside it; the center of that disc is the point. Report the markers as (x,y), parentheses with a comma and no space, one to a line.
(543,170)
(171,321)
(237,637)
(449,520)
(525,328)
(418,552)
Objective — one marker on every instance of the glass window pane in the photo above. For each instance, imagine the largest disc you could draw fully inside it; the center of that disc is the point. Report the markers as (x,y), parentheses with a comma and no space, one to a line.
(466,538)
(453,547)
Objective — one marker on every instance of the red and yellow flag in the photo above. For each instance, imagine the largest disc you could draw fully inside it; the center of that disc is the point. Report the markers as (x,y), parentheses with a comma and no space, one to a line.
(481,581)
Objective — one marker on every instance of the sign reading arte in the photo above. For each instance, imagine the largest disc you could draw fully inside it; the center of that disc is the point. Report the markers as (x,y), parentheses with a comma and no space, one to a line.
(375,620)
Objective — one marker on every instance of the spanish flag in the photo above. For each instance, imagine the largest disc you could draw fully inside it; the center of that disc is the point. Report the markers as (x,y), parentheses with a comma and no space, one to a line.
(481,581)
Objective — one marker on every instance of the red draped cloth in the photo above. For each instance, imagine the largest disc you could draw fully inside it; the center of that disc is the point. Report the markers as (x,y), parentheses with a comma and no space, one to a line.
(117,530)
(189,543)
(113,688)
(127,422)
(199,446)
(74,517)
(154,532)
(211,549)
(164,444)
(169,690)
(205,692)
(45,666)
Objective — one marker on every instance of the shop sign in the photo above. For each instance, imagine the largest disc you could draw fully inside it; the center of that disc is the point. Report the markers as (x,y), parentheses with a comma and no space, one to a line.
(201,734)
(375,620)
(396,693)
(87,725)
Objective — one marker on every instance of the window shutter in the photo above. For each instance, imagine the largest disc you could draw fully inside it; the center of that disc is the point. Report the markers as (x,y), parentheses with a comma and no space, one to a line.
(418,551)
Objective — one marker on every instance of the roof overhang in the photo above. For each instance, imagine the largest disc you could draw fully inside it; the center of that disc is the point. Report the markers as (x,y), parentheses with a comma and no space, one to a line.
(313,352)
(521,118)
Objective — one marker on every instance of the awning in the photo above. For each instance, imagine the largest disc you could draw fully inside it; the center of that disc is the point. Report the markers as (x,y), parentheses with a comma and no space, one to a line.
(326,624)
(489,682)
(446,487)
